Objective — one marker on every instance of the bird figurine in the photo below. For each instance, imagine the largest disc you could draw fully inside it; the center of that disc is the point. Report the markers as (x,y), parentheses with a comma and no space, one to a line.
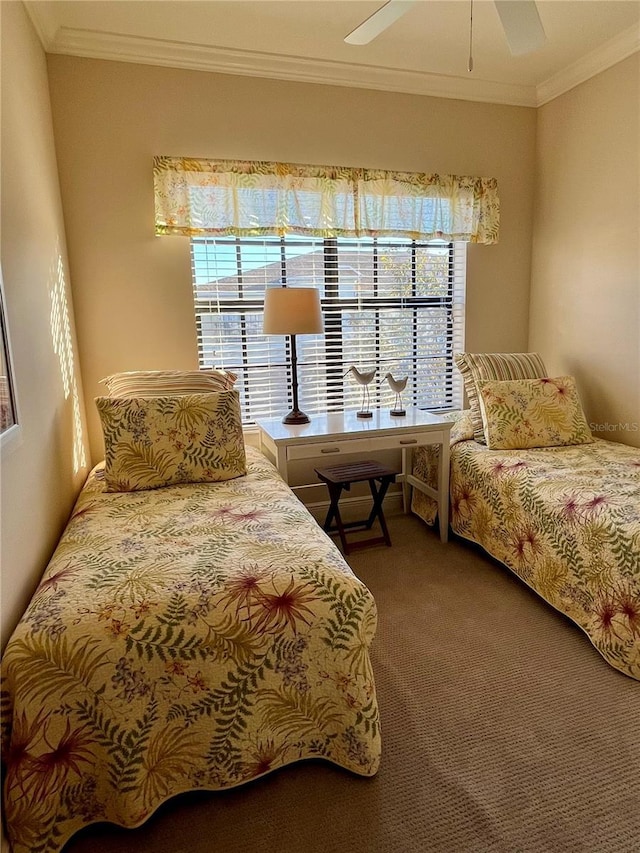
(363,378)
(397,386)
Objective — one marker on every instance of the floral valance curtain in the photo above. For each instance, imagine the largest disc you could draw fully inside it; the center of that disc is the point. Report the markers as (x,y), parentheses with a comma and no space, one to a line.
(251,199)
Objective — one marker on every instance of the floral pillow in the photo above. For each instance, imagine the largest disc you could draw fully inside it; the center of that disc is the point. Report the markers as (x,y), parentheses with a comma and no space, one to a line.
(521,413)
(161,441)
(497,366)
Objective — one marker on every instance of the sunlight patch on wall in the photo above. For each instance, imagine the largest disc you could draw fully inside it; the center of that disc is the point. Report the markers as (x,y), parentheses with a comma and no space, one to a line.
(63,348)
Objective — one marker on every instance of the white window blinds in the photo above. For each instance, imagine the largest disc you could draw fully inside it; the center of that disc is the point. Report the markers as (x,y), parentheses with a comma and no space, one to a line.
(392,304)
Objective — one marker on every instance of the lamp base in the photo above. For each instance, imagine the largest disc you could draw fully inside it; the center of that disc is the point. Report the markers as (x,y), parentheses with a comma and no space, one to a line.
(295,416)
(364,414)
(397,413)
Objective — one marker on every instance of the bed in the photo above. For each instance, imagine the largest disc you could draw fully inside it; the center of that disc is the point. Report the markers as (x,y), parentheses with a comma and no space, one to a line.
(565,519)
(188,637)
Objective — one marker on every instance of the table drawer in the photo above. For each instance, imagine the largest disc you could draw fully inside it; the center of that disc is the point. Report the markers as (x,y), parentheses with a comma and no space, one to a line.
(407,439)
(329,449)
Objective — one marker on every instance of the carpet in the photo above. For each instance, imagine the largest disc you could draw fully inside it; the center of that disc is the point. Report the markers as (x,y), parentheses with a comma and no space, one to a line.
(502,727)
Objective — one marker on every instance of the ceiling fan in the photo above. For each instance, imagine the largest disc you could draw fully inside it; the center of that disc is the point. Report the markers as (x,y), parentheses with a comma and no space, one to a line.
(520,21)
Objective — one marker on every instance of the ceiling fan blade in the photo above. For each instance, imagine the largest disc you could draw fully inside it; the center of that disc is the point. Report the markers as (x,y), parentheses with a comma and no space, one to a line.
(522,25)
(379,21)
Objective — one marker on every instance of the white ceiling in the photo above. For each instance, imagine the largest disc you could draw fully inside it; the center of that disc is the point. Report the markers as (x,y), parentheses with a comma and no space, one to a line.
(425,52)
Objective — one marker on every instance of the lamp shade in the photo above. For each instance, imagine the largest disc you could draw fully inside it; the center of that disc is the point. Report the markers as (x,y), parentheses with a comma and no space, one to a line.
(292,311)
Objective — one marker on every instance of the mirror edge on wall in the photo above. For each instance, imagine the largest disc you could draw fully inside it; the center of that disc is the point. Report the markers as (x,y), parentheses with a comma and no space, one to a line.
(9,412)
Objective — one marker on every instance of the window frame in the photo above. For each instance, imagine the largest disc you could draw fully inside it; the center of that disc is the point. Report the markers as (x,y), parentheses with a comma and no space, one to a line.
(331,300)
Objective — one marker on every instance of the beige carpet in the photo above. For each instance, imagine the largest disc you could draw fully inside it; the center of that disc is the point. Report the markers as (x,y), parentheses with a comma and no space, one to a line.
(503,730)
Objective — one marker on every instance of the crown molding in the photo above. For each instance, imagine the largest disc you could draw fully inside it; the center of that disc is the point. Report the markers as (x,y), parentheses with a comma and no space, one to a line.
(173,54)
(43,23)
(148,51)
(603,57)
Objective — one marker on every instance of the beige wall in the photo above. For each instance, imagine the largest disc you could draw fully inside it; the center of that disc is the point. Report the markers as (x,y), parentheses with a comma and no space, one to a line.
(42,471)
(585,298)
(132,291)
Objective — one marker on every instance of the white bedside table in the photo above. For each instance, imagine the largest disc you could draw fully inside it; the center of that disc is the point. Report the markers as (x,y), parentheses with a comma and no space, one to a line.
(338,433)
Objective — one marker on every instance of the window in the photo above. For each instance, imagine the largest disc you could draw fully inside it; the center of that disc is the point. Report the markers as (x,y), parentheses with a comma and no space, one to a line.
(393,304)
(393,300)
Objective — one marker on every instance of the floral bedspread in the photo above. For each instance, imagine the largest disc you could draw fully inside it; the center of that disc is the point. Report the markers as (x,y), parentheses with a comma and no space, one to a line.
(566,520)
(190,637)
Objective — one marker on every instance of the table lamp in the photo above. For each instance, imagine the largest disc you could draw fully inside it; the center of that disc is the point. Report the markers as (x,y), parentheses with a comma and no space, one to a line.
(293,311)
